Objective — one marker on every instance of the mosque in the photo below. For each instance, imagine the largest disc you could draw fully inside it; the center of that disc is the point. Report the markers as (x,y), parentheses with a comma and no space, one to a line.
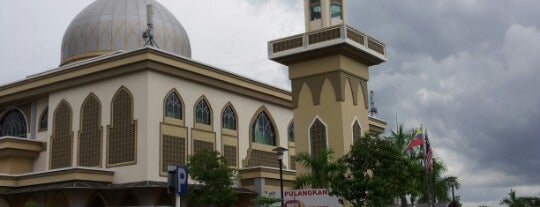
(102,127)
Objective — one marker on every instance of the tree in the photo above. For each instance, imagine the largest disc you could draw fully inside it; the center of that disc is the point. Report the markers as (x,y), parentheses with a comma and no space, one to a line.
(369,173)
(320,170)
(456,203)
(512,200)
(265,201)
(211,171)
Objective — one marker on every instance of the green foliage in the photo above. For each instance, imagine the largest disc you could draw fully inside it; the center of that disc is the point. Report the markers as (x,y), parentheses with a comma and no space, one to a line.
(514,201)
(456,203)
(265,201)
(369,173)
(211,171)
(320,170)
(413,174)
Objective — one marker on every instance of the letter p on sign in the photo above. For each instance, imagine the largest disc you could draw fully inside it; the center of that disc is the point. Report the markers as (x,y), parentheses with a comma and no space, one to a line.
(182,180)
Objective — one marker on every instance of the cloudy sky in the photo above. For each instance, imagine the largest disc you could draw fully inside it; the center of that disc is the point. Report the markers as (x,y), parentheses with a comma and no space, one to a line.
(467,70)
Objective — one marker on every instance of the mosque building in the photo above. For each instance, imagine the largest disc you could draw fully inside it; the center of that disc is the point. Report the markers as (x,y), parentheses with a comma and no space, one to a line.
(102,128)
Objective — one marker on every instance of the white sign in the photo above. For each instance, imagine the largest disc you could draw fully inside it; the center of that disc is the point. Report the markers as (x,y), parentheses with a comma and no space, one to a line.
(310,198)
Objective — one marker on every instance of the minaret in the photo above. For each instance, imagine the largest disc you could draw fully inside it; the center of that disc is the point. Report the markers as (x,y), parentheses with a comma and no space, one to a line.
(328,68)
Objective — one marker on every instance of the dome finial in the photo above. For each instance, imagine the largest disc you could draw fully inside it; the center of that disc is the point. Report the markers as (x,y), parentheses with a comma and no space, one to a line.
(148,34)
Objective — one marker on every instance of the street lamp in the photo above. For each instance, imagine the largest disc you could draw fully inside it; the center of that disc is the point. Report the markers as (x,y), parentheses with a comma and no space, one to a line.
(279,151)
(452,183)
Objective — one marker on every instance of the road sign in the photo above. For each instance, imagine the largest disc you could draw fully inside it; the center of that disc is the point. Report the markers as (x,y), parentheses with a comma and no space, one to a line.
(181,180)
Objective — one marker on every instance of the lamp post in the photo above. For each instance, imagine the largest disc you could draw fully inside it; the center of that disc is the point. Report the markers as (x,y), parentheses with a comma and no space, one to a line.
(452,184)
(279,151)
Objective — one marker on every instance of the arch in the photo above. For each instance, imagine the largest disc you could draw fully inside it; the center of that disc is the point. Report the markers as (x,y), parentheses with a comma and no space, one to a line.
(44,119)
(122,134)
(173,105)
(203,111)
(13,123)
(96,200)
(62,136)
(290,131)
(129,199)
(229,118)
(356,130)
(318,136)
(90,133)
(263,130)
(59,200)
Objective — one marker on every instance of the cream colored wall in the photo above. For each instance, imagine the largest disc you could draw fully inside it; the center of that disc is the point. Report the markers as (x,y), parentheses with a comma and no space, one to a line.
(136,83)
(190,92)
(326,19)
(41,163)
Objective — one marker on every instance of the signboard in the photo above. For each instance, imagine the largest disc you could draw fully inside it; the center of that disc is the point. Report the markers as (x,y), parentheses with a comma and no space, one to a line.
(310,198)
(181,180)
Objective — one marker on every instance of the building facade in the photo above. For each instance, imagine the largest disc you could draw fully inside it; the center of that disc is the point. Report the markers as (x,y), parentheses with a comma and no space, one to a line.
(101,129)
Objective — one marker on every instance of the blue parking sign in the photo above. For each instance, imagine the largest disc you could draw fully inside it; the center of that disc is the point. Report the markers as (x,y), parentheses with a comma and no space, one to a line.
(181,180)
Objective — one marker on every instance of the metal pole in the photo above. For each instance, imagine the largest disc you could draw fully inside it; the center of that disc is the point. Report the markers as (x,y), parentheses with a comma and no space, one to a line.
(281,181)
(453,197)
(178,202)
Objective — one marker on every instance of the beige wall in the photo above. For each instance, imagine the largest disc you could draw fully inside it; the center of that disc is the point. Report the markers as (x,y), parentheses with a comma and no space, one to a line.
(190,92)
(137,84)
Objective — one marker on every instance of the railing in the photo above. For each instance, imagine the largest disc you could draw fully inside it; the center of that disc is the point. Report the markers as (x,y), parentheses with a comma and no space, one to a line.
(341,32)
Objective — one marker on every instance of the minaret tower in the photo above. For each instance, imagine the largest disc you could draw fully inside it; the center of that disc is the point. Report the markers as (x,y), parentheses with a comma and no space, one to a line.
(328,67)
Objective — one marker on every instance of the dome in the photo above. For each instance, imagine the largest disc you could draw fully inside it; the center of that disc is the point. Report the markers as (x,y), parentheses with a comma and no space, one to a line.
(106,26)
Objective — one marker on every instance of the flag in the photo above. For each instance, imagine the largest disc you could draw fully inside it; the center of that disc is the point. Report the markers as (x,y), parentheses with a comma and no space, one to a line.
(429,155)
(417,140)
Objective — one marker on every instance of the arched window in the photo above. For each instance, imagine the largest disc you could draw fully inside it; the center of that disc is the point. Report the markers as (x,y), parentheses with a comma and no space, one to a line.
(317,134)
(44,120)
(290,131)
(62,137)
(13,124)
(90,134)
(121,145)
(203,113)
(173,106)
(229,118)
(357,131)
(263,131)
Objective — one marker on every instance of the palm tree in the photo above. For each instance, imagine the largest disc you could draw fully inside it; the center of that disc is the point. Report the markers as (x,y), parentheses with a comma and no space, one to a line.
(320,170)
(512,200)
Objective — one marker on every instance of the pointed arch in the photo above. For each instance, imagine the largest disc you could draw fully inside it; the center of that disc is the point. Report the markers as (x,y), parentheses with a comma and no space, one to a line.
(229,118)
(59,200)
(96,200)
(90,133)
(263,130)
(356,130)
(203,111)
(290,131)
(173,105)
(13,123)
(62,136)
(318,136)
(44,120)
(122,133)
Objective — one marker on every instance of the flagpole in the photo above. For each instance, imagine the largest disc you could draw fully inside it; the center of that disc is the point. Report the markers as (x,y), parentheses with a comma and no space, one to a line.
(430,169)
(426,179)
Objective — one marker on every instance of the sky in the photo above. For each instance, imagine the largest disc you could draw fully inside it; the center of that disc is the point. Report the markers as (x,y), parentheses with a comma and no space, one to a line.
(467,70)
